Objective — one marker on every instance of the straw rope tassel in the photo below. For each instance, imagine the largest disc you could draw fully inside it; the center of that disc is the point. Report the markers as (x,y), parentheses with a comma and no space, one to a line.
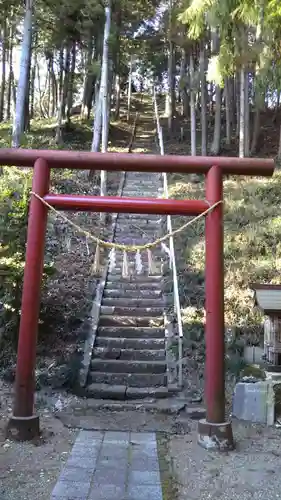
(97,261)
(125,265)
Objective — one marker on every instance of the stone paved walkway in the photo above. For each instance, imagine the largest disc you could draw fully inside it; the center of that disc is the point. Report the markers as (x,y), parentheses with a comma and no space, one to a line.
(111,466)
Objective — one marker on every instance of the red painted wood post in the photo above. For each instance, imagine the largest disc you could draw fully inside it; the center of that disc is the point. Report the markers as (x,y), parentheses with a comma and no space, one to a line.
(214,300)
(214,432)
(24,425)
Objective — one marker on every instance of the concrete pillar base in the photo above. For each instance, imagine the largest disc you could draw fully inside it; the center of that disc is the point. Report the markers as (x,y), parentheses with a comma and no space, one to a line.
(216,437)
(23,428)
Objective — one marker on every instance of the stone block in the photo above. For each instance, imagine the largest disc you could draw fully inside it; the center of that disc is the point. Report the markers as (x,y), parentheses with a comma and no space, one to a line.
(139,463)
(195,412)
(114,450)
(77,474)
(137,477)
(106,492)
(253,402)
(116,437)
(109,475)
(65,490)
(89,437)
(253,354)
(146,492)
(82,461)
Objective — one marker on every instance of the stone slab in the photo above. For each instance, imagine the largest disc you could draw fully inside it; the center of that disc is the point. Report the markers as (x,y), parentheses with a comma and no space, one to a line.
(111,466)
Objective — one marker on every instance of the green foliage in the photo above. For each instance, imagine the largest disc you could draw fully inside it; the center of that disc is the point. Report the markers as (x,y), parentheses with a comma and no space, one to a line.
(14,202)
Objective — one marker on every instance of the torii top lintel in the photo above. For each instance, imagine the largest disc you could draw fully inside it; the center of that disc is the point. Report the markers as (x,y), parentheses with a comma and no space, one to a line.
(83,160)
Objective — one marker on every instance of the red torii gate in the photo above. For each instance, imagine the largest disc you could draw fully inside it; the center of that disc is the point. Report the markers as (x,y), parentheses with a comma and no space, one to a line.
(214,431)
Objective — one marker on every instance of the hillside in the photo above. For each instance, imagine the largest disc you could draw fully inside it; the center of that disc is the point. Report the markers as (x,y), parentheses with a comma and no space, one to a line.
(252,250)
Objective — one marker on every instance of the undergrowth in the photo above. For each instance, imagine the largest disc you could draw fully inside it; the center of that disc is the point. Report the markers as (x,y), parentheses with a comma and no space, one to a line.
(252,250)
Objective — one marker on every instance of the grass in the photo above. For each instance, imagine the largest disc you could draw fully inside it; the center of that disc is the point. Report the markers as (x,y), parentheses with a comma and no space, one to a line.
(252,249)
(167,474)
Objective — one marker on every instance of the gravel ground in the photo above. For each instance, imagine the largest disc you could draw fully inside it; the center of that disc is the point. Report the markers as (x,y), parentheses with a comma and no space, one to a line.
(29,471)
(251,472)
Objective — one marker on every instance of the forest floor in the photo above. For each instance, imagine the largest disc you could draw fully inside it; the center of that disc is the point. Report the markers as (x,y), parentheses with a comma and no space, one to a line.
(252,253)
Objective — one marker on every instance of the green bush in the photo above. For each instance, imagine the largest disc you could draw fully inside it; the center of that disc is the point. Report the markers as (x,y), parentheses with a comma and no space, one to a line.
(14,203)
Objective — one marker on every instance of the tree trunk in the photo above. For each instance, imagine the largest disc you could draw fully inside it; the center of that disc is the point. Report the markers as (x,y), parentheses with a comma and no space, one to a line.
(4,57)
(61,62)
(11,76)
(171,76)
(279,149)
(54,87)
(63,86)
(247,116)
(88,81)
(65,81)
(18,125)
(256,131)
(215,149)
(71,82)
(227,112)
(192,108)
(117,97)
(211,98)
(130,89)
(204,125)
(104,95)
(26,125)
(97,125)
(32,85)
(183,94)
(242,114)
(237,102)
(101,105)
(231,92)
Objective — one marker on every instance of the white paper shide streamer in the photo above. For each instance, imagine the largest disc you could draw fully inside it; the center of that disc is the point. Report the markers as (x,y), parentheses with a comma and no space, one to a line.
(152,269)
(112,260)
(138,261)
(125,265)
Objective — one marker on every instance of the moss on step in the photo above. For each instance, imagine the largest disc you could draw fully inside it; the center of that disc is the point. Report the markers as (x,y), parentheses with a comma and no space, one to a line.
(253,371)
(168,479)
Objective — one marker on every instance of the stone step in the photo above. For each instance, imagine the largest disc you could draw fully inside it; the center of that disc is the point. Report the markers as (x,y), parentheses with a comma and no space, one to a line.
(129,302)
(145,191)
(117,271)
(135,232)
(140,219)
(131,283)
(128,379)
(136,183)
(156,252)
(147,392)
(138,294)
(136,344)
(129,192)
(131,240)
(134,278)
(128,366)
(129,331)
(131,312)
(134,227)
(110,352)
(122,392)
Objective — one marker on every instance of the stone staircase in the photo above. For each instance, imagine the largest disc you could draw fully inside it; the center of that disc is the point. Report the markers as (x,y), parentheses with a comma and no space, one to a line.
(129,356)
